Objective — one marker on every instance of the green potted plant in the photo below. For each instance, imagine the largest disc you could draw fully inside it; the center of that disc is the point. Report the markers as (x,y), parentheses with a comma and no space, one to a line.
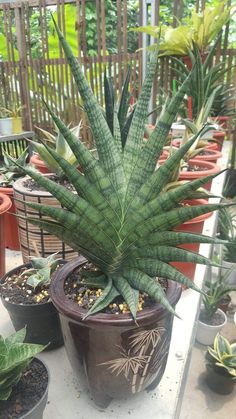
(227,231)
(221,365)
(116,315)
(5,205)
(23,378)
(5,122)
(9,173)
(25,294)
(14,114)
(212,318)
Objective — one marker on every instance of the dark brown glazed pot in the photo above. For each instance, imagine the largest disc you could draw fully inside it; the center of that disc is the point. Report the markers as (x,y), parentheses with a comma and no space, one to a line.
(119,357)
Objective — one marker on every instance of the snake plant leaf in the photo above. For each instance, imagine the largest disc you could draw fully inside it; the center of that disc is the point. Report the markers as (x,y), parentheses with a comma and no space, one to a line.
(104,300)
(136,132)
(141,281)
(125,99)
(127,292)
(109,155)
(165,238)
(17,337)
(116,129)
(155,268)
(109,95)
(99,281)
(149,154)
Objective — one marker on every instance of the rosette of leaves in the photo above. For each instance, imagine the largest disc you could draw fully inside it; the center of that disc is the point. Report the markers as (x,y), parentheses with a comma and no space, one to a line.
(12,168)
(223,356)
(41,271)
(120,219)
(15,356)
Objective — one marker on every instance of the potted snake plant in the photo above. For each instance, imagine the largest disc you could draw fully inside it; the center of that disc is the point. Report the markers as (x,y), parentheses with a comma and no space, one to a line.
(116,304)
(23,378)
(221,366)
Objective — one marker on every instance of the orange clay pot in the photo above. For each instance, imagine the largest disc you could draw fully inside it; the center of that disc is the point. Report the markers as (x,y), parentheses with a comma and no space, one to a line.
(11,227)
(5,205)
(193,226)
(39,163)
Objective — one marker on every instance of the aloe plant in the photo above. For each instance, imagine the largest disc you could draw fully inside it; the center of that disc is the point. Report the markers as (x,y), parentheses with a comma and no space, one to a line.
(222,357)
(41,271)
(120,219)
(15,356)
(12,168)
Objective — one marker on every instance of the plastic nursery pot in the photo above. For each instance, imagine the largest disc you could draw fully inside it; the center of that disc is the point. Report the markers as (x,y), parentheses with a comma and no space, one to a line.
(205,168)
(11,227)
(206,333)
(5,126)
(193,226)
(46,242)
(5,205)
(17,125)
(211,155)
(219,136)
(29,388)
(39,163)
(100,342)
(41,320)
(218,381)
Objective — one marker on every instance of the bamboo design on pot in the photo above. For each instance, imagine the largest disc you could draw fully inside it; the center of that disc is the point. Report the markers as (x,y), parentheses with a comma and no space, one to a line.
(142,354)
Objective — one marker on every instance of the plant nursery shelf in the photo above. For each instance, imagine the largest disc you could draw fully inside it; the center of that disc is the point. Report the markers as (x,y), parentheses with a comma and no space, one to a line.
(69,398)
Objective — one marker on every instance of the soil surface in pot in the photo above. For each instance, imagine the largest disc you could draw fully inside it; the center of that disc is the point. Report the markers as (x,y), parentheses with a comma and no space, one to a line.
(194,168)
(16,290)
(205,152)
(216,320)
(31,185)
(85,296)
(27,393)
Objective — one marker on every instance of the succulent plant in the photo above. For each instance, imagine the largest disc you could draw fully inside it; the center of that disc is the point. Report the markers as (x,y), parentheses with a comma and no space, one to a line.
(41,271)
(120,219)
(15,356)
(222,357)
(12,168)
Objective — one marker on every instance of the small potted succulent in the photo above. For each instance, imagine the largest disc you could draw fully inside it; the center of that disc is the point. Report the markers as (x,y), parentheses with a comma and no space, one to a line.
(25,294)
(221,365)
(117,307)
(5,122)
(212,318)
(23,378)
(9,173)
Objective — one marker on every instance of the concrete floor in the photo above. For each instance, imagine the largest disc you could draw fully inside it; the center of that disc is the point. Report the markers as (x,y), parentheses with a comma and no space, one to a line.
(198,401)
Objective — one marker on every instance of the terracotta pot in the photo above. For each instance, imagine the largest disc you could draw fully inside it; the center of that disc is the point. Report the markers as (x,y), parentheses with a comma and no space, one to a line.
(5,205)
(210,169)
(212,156)
(223,121)
(100,342)
(39,163)
(219,137)
(213,146)
(11,228)
(187,60)
(41,320)
(193,226)
(46,242)
(218,381)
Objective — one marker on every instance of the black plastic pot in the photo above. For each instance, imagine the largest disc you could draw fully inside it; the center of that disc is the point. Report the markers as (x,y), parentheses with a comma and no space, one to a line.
(41,320)
(36,412)
(218,381)
(103,343)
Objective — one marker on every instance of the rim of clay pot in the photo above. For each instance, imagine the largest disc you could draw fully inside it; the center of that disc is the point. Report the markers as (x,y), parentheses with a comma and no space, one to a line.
(212,168)
(35,159)
(7,190)
(5,203)
(20,188)
(218,134)
(200,217)
(214,155)
(11,272)
(27,414)
(74,311)
(214,326)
